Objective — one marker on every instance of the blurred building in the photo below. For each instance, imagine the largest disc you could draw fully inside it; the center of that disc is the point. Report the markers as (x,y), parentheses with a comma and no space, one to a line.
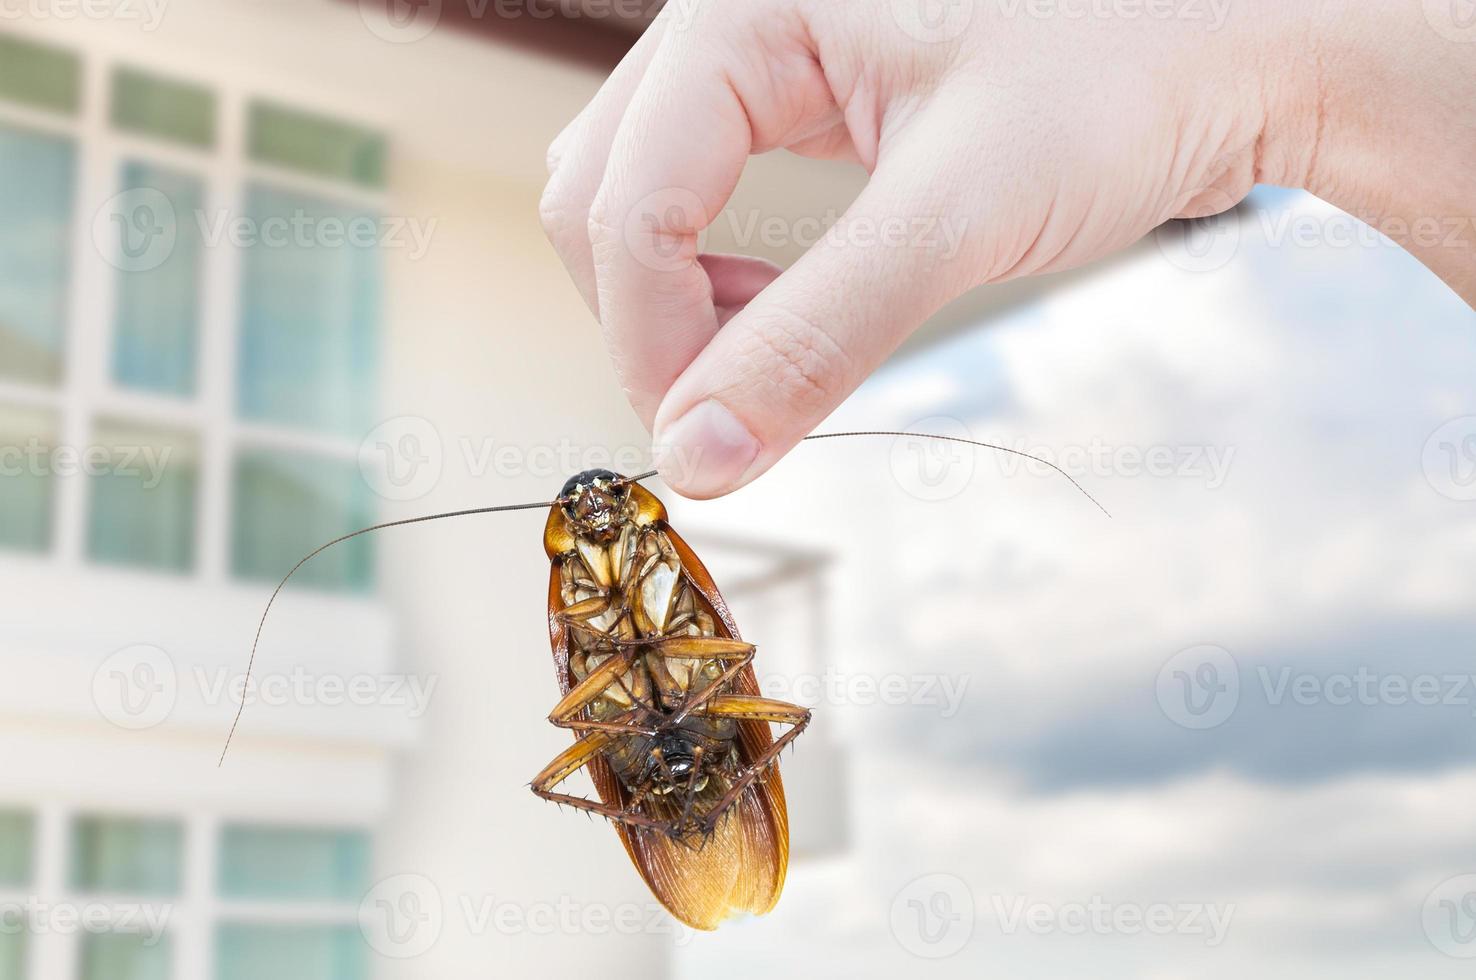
(232,236)
(271,271)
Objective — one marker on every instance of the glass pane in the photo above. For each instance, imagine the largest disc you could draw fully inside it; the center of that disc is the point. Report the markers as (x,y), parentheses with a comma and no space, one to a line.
(39,75)
(294,864)
(156,106)
(36,176)
(13,955)
(127,857)
(310,314)
(156,341)
(257,952)
(124,956)
(27,484)
(316,144)
(17,843)
(144,495)
(289,503)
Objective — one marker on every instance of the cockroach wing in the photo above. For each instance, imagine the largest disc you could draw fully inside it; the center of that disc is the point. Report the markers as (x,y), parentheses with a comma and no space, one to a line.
(741,868)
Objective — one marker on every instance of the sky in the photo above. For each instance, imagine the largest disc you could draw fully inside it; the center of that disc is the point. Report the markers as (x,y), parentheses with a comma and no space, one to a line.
(1230,730)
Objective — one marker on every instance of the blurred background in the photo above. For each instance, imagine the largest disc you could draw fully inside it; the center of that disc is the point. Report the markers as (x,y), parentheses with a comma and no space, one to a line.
(271,270)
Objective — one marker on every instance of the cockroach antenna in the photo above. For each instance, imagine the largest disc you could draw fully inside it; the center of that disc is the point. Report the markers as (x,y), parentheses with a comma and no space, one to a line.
(963,441)
(540,505)
(544,504)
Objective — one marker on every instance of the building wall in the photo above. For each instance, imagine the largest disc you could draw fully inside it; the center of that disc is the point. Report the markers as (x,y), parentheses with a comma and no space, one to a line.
(484,339)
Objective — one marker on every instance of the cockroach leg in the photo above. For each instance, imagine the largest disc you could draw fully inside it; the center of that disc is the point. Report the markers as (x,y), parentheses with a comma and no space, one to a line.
(745,708)
(739,655)
(570,761)
(694,647)
(607,675)
(585,609)
(696,699)
(692,784)
(598,682)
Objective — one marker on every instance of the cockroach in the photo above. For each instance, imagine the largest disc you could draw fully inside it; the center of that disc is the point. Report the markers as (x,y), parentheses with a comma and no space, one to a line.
(659,690)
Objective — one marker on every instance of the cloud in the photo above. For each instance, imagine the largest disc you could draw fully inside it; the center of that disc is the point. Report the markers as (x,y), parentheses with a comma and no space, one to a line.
(1326,551)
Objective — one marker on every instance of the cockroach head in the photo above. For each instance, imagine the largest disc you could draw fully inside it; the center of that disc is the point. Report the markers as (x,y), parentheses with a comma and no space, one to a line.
(594,503)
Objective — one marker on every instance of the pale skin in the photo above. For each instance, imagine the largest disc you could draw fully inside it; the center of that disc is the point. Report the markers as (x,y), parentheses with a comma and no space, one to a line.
(1053,134)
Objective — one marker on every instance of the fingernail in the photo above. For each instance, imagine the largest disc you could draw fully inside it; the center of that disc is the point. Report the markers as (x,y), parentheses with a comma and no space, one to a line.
(705,452)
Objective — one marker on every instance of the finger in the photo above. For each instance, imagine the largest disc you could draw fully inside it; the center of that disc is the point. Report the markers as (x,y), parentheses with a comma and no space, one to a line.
(678,155)
(736,279)
(577,158)
(804,343)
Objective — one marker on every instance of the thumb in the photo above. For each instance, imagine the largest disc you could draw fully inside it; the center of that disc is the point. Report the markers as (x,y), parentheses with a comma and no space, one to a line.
(794,353)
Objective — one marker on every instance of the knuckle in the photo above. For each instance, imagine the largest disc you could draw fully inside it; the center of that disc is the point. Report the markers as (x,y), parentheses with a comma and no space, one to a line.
(599,225)
(559,147)
(798,362)
(556,212)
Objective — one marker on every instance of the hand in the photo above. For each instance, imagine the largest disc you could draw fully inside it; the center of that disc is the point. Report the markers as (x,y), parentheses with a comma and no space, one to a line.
(1048,132)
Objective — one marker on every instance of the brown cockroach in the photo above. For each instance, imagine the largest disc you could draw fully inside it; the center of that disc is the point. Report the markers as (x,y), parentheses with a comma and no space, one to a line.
(659,690)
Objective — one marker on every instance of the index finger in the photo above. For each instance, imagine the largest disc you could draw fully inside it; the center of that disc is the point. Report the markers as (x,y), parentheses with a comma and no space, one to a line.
(676,158)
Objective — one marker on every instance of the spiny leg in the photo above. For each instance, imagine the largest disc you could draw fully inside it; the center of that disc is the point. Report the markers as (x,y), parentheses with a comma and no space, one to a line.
(570,761)
(610,640)
(601,679)
(691,794)
(742,707)
(736,653)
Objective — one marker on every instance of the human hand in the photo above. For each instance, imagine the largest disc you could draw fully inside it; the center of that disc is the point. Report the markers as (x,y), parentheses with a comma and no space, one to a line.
(1050,138)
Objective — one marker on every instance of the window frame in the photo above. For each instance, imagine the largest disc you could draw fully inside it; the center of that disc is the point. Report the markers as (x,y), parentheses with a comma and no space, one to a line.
(194,913)
(88,391)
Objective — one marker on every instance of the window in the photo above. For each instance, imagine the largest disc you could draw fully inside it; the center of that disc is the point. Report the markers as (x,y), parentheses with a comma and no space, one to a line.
(125,956)
(253,403)
(143,501)
(171,110)
(218,433)
(285,498)
(292,870)
(27,437)
(37,171)
(127,857)
(14,950)
(286,902)
(17,873)
(316,145)
(156,340)
(308,315)
(17,842)
(40,76)
(294,864)
(270,952)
